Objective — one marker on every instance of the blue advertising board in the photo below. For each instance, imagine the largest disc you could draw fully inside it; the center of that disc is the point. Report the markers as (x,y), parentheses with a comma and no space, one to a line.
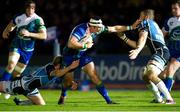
(116,71)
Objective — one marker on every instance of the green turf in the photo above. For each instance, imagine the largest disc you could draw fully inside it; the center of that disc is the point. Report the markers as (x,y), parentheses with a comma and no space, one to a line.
(131,100)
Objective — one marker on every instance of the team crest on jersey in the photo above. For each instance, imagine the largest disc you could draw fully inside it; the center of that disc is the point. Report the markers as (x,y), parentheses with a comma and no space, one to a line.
(175,33)
(171,23)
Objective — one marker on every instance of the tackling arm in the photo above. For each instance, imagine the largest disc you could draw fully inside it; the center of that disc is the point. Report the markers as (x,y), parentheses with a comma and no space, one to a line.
(61,72)
(9,28)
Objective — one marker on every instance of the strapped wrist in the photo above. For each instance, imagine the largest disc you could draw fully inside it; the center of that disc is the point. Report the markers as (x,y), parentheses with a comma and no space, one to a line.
(84,46)
(129,28)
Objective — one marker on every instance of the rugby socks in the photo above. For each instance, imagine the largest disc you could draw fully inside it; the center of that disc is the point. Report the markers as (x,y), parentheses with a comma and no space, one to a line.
(155,91)
(102,90)
(6,76)
(169,83)
(162,87)
(63,91)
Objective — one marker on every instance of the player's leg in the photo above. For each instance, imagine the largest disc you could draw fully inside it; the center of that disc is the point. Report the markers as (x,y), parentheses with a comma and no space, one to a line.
(34,98)
(152,87)
(173,66)
(18,70)
(66,84)
(152,76)
(12,61)
(90,70)
(2,88)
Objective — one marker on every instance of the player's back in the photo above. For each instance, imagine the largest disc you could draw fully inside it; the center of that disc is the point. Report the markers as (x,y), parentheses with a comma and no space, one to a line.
(155,36)
(38,78)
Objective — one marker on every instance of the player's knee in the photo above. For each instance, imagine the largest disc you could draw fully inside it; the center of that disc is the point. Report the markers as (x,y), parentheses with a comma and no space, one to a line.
(19,69)
(42,103)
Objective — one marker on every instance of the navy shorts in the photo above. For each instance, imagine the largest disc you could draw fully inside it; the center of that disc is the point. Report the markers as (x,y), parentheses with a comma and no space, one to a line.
(84,60)
(25,56)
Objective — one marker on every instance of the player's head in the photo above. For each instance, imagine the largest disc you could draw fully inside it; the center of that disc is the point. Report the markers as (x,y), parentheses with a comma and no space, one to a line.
(147,14)
(95,24)
(175,7)
(57,61)
(30,7)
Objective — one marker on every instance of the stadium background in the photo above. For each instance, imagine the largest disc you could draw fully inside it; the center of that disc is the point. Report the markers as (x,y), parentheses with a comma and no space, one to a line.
(109,52)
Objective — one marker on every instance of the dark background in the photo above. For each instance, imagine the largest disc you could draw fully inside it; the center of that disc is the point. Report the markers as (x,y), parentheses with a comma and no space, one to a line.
(66,14)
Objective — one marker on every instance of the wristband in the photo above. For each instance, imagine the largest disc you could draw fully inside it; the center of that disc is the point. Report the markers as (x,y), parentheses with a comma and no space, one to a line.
(129,28)
(104,29)
(85,46)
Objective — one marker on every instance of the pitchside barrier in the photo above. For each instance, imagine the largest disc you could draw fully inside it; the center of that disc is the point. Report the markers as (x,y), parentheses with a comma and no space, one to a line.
(116,71)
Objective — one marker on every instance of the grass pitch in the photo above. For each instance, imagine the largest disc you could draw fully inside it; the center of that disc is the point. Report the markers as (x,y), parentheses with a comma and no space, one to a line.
(129,100)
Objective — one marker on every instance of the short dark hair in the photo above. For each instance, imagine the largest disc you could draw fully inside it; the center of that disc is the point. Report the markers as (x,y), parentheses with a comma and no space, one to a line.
(176,2)
(57,60)
(28,3)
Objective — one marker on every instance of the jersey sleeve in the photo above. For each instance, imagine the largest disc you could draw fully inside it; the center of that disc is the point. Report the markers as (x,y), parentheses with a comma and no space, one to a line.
(14,19)
(143,26)
(166,26)
(79,33)
(40,24)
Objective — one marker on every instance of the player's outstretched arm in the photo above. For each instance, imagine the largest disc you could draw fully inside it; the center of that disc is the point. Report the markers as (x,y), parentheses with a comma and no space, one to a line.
(119,28)
(9,28)
(61,72)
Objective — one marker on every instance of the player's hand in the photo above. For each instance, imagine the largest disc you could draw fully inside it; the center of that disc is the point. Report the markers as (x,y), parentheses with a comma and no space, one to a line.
(5,35)
(74,85)
(133,54)
(24,33)
(134,25)
(74,64)
(89,44)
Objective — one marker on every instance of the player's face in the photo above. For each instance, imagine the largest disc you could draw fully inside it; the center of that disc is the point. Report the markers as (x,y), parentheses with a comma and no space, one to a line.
(95,29)
(142,16)
(30,9)
(176,10)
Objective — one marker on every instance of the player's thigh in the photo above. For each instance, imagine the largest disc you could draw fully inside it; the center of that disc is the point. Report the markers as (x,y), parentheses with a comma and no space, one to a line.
(13,59)
(90,70)
(37,99)
(19,68)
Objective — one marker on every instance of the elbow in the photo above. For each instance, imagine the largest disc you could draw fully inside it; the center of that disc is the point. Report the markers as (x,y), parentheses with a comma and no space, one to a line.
(70,45)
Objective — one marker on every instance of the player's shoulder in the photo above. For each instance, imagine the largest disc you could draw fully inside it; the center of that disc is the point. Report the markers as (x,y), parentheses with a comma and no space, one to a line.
(38,19)
(80,28)
(170,19)
(19,15)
